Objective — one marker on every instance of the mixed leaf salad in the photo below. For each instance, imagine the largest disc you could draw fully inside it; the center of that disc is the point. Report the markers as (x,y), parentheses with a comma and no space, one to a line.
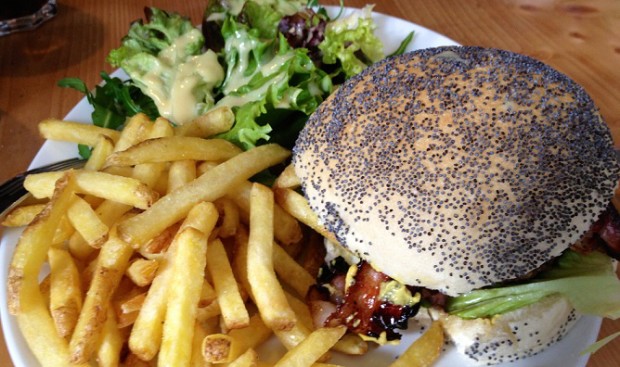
(273,62)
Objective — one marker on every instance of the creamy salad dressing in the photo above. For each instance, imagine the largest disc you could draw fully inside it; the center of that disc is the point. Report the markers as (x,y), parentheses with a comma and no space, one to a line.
(180,103)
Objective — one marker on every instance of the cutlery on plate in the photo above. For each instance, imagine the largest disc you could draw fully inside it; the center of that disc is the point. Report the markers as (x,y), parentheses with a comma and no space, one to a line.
(12,192)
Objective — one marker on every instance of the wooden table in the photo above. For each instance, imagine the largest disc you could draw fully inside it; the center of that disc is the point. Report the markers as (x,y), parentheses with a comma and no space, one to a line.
(580,38)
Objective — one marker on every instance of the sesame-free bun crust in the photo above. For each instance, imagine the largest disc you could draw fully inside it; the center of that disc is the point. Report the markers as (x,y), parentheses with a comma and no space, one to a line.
(454,168)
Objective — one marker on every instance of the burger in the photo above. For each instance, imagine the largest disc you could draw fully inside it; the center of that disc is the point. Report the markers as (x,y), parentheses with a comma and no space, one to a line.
(471,184)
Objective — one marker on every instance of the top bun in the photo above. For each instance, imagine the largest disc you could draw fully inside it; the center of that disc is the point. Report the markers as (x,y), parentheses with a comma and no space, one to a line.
(455,168)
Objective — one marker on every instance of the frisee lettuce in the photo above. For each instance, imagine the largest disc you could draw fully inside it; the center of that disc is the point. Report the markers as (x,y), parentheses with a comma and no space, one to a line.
(351,42)
(264,75)
(589,282)
(158,33)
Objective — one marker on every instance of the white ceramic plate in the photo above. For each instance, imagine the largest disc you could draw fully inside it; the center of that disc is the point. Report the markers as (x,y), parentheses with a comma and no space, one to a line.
(391,30)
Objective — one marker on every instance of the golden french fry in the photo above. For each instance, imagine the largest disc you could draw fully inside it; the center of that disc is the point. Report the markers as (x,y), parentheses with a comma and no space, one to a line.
(102,149)
(64,231)
(187,277)
(174,148)
(222,348)
(146,334)
(425,350)
(121,189)
(133,304)
(286,228)
(150,172)
(209,311)
(86,221)
(33,245)
(200,332)
(247,359)
(142,271)
(216,120)
(264,286)
(230,217)
(133,360)
(207,295)
(24,296)
(109,212)
(217,348)
(312,348)
(181,172)
(287,179)
(22,215)
(296,205)
(127,310)
(255,334)
(240,257)
(158,244)
(41,185)
(125,190)
(136,129)
(208,187)
(111,265)
(229,299)
(75,132)
(290,272)
(65,291)
(204,167)
(111,344)
(292,337)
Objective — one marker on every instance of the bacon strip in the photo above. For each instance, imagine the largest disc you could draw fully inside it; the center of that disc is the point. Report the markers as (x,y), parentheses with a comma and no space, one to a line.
(361,309)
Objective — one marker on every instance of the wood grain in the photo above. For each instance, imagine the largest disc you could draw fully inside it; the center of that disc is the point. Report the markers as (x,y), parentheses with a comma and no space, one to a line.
(579,38)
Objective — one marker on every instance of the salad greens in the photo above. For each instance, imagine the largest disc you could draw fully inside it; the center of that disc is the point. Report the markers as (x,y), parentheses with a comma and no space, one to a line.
(160,32)
(352,42)
(589,282)
(112,102)
(272,61)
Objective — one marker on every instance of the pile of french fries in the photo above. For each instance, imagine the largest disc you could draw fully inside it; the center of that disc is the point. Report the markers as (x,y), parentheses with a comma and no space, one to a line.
(160,251)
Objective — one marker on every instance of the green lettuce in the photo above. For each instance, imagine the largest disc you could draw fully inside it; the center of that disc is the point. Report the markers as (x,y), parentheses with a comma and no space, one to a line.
(589,282)
(164,58)
(263,75)
(351,42)
(159,33)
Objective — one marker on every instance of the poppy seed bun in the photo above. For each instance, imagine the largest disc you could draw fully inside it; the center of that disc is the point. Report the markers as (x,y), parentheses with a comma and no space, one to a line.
(512,336)
(455,168)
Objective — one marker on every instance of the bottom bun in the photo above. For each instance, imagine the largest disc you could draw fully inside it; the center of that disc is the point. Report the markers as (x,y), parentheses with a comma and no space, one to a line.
(511,336)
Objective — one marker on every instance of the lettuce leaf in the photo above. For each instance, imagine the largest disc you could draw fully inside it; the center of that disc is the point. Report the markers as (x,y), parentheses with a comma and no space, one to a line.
(263,75)
(351,42)
(589,282)
(164,58)
(160,31)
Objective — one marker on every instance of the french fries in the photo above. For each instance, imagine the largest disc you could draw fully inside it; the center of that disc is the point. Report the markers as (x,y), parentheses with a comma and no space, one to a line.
(25,299)
(212,185)
(425,350)
(111,264)
(229,298)
(175,259)
(75,132)
(174,148)
(312,348)
(189,261)
(120,189)
(65,291)
(266,290)
(22,215)
(215,121)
